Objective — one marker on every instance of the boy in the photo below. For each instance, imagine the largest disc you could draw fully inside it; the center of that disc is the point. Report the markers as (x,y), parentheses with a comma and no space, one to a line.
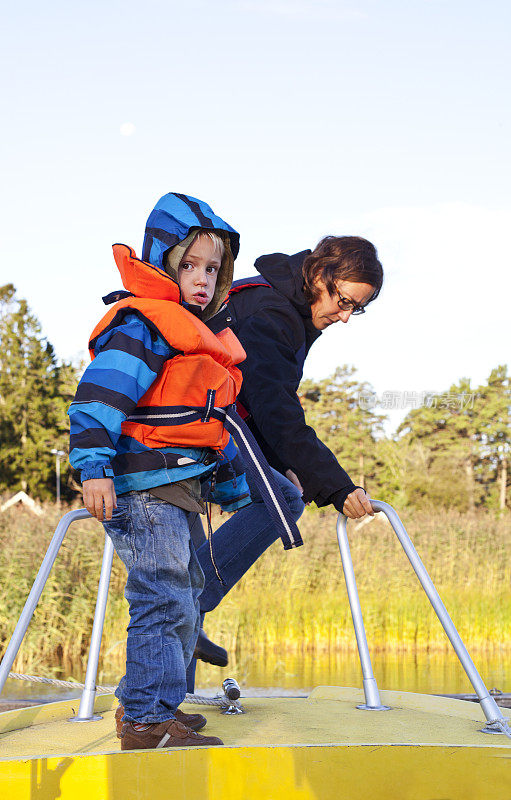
(143,433)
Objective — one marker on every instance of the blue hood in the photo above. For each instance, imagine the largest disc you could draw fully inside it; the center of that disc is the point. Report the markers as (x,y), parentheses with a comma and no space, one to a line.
(170,222)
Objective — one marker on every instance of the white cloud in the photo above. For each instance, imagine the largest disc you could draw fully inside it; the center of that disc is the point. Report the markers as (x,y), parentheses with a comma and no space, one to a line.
(444,311)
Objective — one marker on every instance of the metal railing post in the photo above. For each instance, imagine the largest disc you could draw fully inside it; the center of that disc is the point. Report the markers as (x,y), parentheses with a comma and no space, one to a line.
(488,704)
(490,708)
(36,591)
(372,695)
(86,709)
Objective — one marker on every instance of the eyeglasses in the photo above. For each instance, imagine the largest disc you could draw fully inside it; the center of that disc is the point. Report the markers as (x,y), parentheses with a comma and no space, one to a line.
(348,305)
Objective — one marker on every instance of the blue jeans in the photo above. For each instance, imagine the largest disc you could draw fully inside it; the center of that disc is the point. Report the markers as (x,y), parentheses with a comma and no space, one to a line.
(240,541)
(237,544)
(164,582)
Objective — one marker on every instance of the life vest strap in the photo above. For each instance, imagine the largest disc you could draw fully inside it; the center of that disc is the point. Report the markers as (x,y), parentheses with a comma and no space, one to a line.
(262,476)
(168,415)
(210,404)
(253,457)
(114,297)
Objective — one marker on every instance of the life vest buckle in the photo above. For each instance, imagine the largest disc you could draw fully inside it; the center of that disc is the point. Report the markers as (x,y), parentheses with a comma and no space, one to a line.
(210,405)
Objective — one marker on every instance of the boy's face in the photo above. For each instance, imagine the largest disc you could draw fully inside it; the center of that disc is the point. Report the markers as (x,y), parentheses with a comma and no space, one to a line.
(198,271)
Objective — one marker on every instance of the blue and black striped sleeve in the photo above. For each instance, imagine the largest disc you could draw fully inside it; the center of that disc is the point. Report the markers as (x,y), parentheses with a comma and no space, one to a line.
(127,360)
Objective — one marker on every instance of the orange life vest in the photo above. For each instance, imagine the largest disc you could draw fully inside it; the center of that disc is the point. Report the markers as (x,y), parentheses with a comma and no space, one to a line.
(200,377)
(190,404)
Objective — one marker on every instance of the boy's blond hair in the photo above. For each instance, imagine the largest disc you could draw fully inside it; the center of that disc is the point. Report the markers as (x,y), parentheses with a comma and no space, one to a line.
(215,238)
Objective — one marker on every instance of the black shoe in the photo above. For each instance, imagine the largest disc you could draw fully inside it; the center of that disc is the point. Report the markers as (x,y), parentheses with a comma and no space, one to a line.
(208,651)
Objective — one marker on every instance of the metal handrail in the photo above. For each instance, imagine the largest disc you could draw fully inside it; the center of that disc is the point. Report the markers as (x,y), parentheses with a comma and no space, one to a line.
(490,708)
(372,696)
(86,710)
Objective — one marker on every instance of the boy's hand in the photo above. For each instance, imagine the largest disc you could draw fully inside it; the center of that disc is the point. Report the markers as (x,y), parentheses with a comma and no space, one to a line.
(357,504)
(98,492)
(293,477)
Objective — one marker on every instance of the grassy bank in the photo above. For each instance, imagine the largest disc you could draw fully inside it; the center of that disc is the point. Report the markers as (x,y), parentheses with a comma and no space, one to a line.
(293,599)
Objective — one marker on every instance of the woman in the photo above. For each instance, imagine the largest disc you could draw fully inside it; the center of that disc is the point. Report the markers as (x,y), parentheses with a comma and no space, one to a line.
(277,321)
(277,316)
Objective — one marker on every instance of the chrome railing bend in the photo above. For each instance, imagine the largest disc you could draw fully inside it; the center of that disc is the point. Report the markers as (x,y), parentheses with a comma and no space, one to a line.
(490,708)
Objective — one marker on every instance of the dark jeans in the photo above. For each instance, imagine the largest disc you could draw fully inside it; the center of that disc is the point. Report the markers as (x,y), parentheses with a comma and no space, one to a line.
(164,582)
(237,545)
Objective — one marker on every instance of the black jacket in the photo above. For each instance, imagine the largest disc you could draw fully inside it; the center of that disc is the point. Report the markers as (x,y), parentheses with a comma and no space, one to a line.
(274,325)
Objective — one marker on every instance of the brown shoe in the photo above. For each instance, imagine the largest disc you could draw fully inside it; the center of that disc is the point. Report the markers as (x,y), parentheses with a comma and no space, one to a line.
(163,734)
(194,721)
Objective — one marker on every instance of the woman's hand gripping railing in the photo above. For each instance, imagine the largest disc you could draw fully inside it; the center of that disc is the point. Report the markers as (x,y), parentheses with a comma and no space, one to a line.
(496,721)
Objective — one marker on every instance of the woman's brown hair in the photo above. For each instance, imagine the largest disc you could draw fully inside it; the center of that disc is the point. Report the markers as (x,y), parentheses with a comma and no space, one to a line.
(341,258)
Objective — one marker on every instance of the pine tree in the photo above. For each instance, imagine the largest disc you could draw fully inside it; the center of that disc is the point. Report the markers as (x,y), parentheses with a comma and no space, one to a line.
(495,431)
(34,393)
(340,411)
(446,429)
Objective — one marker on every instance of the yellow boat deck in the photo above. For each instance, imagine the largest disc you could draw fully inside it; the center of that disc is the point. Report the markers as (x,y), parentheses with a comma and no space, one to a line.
(319,747)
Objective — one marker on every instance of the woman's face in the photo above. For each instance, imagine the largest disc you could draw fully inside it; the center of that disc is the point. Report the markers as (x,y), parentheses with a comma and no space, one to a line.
(325,310)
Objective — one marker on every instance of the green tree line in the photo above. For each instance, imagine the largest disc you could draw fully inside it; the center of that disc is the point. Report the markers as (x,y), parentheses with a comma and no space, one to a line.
(451,450)
(35,391)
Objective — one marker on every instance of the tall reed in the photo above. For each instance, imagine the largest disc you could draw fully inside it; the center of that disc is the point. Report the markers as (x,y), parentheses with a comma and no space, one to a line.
(299,597)
(294,600)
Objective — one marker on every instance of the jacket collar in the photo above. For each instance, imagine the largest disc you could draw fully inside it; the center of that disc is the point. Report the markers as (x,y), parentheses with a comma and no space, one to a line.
(284,273)
(143,279)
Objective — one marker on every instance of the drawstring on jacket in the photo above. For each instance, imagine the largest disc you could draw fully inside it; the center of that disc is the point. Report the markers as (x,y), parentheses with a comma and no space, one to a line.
(210,527)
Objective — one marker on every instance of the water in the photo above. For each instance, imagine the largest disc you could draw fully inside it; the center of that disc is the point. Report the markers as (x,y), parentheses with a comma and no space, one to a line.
(34,693)
(429,673)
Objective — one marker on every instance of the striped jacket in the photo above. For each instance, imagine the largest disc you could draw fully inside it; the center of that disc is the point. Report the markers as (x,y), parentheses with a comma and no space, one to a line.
(128,359)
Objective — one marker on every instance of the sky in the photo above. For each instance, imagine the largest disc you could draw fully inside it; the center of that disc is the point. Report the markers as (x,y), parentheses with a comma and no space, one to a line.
(293,120)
